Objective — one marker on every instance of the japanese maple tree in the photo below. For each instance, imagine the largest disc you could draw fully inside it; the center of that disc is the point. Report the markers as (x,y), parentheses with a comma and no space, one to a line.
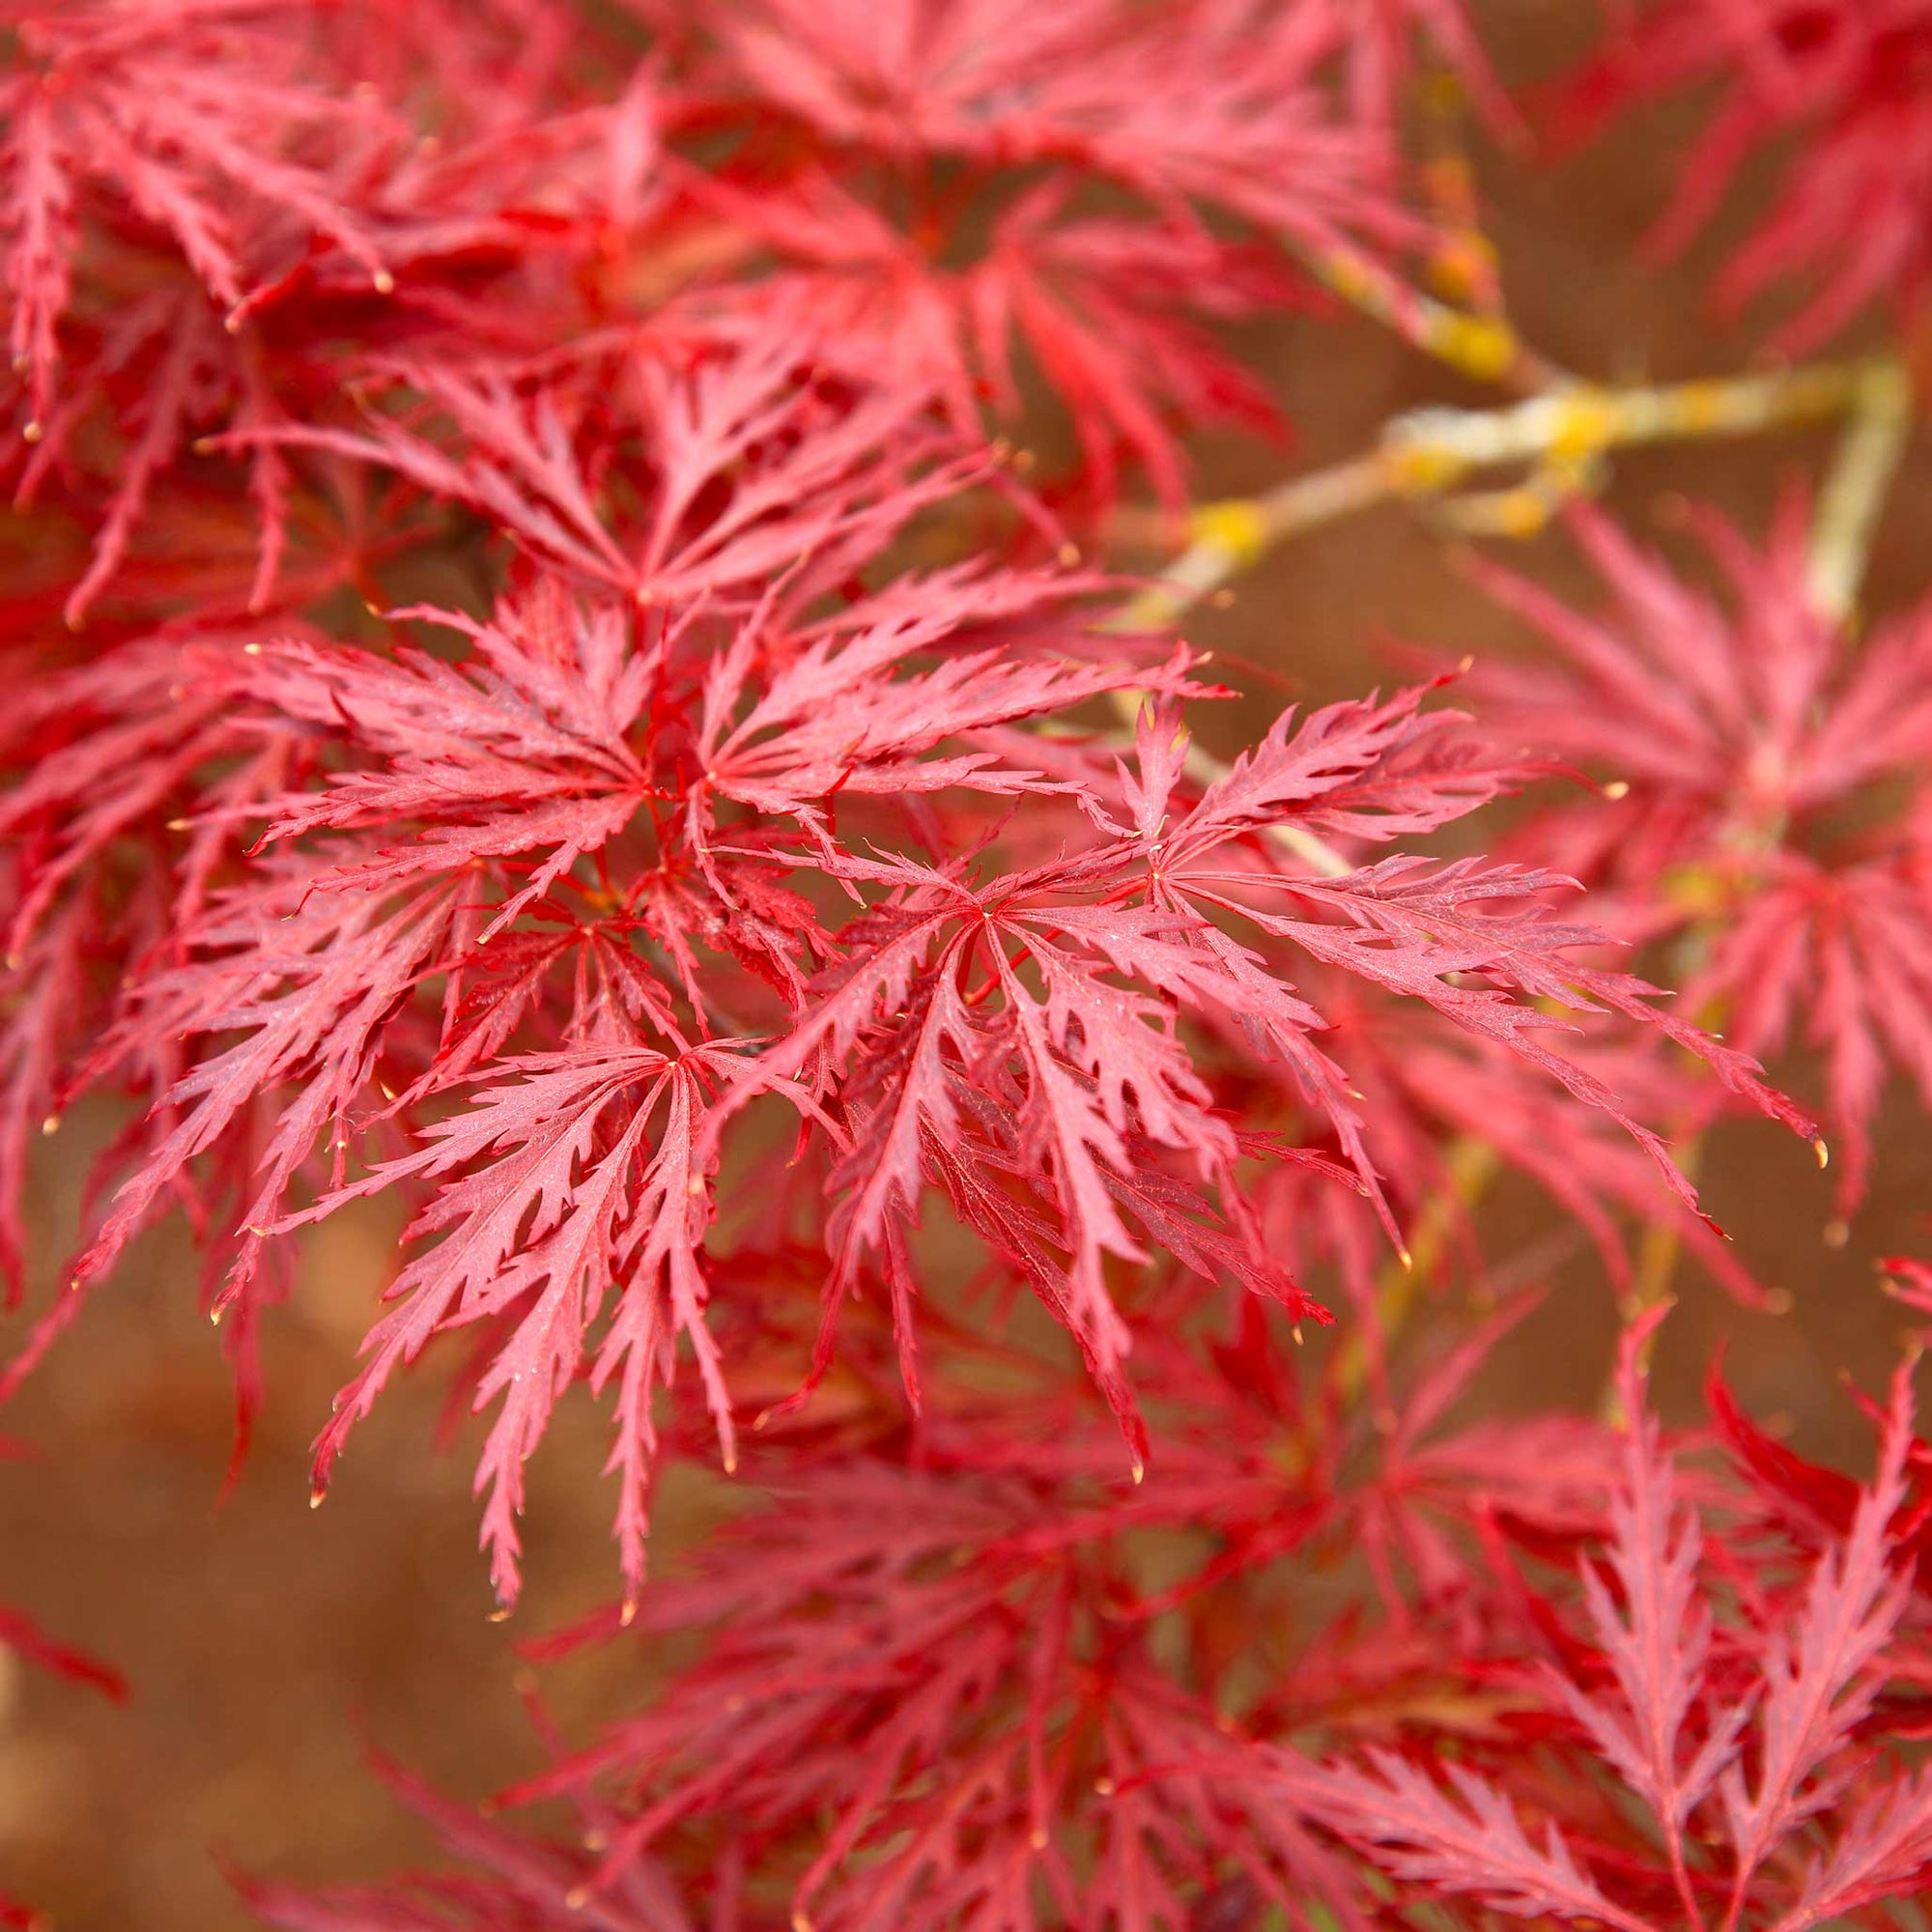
(579,671)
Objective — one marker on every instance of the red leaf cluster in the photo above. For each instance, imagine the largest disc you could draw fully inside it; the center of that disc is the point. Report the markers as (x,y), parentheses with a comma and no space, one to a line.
(1609,1683)
(1770,806)
(543,694)
(513,905)
(1852,81)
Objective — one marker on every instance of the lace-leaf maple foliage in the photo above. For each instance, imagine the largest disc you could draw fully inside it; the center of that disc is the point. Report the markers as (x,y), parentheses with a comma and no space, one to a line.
(542,694)
(952,1696)
(678,819)
(1014,1037)
(1771,801)
(1850,83)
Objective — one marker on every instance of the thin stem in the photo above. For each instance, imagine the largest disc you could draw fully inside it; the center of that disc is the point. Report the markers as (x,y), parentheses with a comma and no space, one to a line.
(1471,1165)
(1229,537)
(1483,346)
(1856,488)
(1663,1243)
(1464,267)
(1740,1888)
(1561,436)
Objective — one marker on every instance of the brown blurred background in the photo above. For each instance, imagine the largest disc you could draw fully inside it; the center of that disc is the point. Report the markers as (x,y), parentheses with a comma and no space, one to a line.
(258,1634)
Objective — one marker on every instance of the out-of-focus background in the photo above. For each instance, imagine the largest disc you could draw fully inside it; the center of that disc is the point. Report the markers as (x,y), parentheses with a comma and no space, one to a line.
(263,1640)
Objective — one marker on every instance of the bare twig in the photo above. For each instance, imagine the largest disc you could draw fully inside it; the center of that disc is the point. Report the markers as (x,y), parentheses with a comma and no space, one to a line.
(1482,345)
(1561,436)
(1856,488)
